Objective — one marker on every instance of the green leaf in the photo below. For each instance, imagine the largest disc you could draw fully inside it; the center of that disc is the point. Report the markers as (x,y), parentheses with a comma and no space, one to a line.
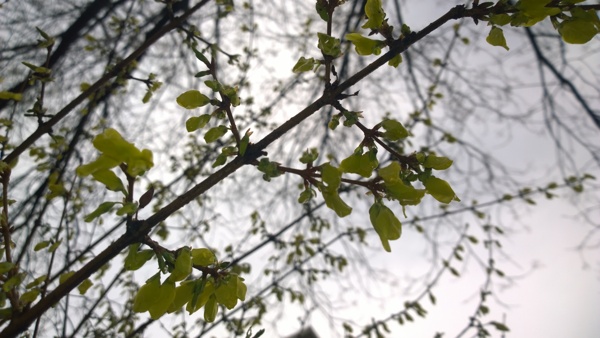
(375,14)
(65,276)
(386,224)
(192,99)
(136,259)
(103,162)
(163,298)
(321,7)
(215,133)
(220,160)
(581,27)
(200,295)
(360,164)
(395,61)
(37,69)
(203,257)
(334,202)
(10,96)
(241,288)
(535,11)
(304,65)
(103,208)
(41,245)
(183,294)
(226,292)
(128,208)
(112,144)
(232,94)
(496,38)
(200,56)
(394,130)
(196,122)
(140,162)
(329,45)
(5,267)
(110,180)
(500,326)
(183,265)
(391,173)
(500,19)
(309,155)
(270,169)
(405,194)
(214,85)
(331,175)
(84,286)
(30,296)
(244,142)
(439,189)
(437,163)
(210,309)
(365,46)
(306,195)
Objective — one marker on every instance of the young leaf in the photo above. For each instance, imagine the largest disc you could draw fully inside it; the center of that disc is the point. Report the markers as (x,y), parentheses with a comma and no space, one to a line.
(196,122)
(128,208)
(210,309)
(183,265)
(331,175)
(10,96)
(321,7)
(103,162)
(192,99)
(360,164)
(244,142)
(84,286)
(395,61)
(103,208)
(375,14)
(334,202)
(394,130)
(365,46)
(304,65)
(226,292)
(578,30)
(162,299)
(329,45)
(215,133)
(440,190)
(113,145)
(437,162)
(496,38)
(183,294)
(203,257)
(29,296)
(386,224)
(110,180)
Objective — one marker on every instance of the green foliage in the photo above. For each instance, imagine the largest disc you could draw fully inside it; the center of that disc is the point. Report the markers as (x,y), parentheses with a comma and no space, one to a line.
(385,223)
(192,99)
(496,38)
(375,14)
(362,164)
(270,169)
(304,65)
(439,189)
(365,46)
(394,130)
(329,45)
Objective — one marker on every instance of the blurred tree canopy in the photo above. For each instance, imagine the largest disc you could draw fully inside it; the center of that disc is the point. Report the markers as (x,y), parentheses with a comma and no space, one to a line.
(256,159)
